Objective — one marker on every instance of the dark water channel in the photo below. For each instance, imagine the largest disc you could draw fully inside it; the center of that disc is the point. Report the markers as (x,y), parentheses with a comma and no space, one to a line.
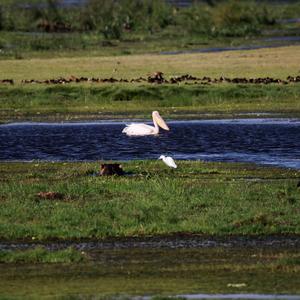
(261,141)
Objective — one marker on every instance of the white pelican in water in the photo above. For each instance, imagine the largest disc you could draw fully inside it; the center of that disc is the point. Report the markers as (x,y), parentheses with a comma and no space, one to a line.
(169,161)
(144,129)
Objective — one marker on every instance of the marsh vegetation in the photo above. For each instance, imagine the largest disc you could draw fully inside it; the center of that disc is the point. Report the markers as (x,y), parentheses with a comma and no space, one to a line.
(68,202)
(207,198)
(96,100)
(125,27)
(125,273)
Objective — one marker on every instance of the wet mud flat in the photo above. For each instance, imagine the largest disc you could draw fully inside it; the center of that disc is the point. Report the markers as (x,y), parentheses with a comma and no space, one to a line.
(175,241)
(143,273)
(186,266)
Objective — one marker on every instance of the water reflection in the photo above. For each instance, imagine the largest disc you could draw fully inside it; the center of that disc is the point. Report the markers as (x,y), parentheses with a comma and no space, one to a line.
(263,141)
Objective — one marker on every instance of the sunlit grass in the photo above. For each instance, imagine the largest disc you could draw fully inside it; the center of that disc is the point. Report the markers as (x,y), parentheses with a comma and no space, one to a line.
(274,62)
(198,198)
(97,100)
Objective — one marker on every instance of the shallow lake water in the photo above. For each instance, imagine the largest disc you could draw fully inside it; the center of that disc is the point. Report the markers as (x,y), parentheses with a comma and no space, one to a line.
(262,141)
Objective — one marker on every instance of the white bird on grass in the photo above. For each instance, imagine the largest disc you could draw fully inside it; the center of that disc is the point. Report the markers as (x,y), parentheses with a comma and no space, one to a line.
(169,161)
(144,129)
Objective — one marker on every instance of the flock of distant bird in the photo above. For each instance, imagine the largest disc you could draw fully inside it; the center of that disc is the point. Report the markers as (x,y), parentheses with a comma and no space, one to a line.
(158,78)
(141,129)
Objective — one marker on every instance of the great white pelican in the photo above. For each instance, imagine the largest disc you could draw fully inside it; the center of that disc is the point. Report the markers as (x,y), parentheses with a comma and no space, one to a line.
(144,129)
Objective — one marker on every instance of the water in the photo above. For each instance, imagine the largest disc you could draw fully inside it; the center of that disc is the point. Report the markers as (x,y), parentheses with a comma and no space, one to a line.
(262,141)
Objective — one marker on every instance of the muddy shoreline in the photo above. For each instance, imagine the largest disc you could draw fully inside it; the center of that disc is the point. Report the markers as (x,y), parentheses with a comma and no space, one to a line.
(123,117)
(174,241)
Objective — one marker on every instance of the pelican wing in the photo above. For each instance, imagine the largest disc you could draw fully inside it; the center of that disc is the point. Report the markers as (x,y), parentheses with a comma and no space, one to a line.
(138,129)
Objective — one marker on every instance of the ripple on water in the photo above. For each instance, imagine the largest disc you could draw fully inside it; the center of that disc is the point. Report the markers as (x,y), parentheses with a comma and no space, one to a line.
(262,141)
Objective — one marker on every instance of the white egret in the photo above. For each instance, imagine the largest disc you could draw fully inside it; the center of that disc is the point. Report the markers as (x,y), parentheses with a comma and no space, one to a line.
(144,129)
(169,161)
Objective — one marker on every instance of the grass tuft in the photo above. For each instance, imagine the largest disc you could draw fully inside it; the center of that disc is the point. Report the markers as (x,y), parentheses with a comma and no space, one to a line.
(42,255)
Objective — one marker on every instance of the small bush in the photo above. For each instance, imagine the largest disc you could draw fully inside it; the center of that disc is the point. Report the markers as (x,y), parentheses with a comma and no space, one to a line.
(236,18)
(196,19)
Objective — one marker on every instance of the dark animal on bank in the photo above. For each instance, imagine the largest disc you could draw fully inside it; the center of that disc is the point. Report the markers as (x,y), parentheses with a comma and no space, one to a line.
(111,169)
(50,195)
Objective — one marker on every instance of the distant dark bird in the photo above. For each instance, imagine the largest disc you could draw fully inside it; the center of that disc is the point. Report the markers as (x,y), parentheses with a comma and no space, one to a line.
(298,185)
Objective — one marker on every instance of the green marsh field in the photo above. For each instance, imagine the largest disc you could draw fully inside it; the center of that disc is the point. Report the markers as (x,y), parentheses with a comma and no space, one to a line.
(98,100)
(109,40)
(213,201)
(117,48)
(206,198)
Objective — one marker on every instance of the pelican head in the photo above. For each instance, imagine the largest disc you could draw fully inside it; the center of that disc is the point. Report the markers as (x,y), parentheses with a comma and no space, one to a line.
(159,120)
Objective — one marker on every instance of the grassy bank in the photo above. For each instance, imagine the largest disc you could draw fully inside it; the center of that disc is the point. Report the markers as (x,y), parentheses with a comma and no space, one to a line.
(207,198)
(103,100)
(128,101)
(41,255)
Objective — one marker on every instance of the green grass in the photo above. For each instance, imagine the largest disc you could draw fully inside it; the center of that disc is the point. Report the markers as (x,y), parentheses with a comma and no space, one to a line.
(275,62)
(152,26)
(287,262)
(98,100)
(94,101)
(37,101)
(41,255)
(24,45)
(206,198)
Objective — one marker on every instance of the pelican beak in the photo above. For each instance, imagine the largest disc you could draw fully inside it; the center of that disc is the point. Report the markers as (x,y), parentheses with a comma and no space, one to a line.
(159,120)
